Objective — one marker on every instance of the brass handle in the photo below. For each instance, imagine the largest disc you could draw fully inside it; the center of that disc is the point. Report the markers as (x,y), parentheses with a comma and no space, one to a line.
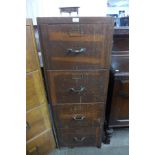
(79,139)
(33,150)
(28,126)
(77,90)
(76,51)
(78,117)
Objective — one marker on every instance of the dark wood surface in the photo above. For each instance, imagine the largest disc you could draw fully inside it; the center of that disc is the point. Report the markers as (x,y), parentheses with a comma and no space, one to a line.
(119,115)
(120,63)
(69,9)
(80,137)
(79,115)
(117,107)
(78,46)
(78,86)
(85,20)
(121,43)
(119,91)
(122,30)
(76,55)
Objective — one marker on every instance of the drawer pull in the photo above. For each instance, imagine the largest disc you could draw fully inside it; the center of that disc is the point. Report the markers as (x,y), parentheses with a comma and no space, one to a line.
(76,51)
(27,125)
(79,139)
(77,90)
(78,117)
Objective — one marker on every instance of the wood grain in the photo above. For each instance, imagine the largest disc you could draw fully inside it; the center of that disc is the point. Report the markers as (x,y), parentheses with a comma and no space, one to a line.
(77,60)
(79,137)
(35,95)
(31,59)
(79,115)
(37,121)
(39,136)
(41,145)
(94,84)
(120,103)
(96,38)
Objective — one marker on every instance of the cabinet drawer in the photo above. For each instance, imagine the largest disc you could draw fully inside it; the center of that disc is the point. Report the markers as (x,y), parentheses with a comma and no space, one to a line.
(34,90)
(31,54)
(78,86)
(76,46)
(80,137)
(79,115)
(41,145)
(37,121)
(121,43)
(120,103)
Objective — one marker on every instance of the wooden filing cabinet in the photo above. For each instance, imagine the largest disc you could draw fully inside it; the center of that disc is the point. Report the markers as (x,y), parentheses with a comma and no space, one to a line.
(39,135)
(76,53)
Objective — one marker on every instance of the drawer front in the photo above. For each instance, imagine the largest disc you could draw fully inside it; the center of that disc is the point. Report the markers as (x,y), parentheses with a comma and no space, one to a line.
(79,115)
(41,145)
(37,121)
(31,54)
(121,43)
(120,62)
(80,137)
(76,46)
(34,90)
(120,104)
(78,86)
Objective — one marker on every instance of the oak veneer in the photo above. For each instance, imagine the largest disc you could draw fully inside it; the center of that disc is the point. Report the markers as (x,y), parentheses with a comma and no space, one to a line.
(39,135)
(76,65)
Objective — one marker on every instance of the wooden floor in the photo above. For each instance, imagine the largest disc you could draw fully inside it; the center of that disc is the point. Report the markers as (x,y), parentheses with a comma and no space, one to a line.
(119,146)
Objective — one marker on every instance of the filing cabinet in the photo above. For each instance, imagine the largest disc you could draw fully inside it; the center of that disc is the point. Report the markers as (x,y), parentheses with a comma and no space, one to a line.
(39,135)
(76,53)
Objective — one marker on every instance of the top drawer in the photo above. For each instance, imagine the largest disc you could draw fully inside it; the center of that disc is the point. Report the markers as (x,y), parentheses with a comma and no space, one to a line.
(76,45)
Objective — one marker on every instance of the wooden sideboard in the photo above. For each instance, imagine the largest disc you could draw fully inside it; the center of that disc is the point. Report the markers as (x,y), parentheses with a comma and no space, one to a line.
(39,135)
(117,107)
(76,55)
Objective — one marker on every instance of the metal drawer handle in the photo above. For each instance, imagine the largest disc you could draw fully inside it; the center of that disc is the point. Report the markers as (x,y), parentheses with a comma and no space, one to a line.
(79,139)
(77,90)
(28,125)
(78,117)
(76,51)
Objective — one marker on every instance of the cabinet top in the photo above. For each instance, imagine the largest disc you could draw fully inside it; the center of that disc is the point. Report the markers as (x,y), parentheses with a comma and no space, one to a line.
(59,20)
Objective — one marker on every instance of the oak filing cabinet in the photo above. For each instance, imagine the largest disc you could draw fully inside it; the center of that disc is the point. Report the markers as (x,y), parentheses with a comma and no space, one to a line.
(39,135)
(76,53)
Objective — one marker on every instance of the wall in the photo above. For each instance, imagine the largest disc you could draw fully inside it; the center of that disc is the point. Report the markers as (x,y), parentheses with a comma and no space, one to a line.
(50,8)
(119,5)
